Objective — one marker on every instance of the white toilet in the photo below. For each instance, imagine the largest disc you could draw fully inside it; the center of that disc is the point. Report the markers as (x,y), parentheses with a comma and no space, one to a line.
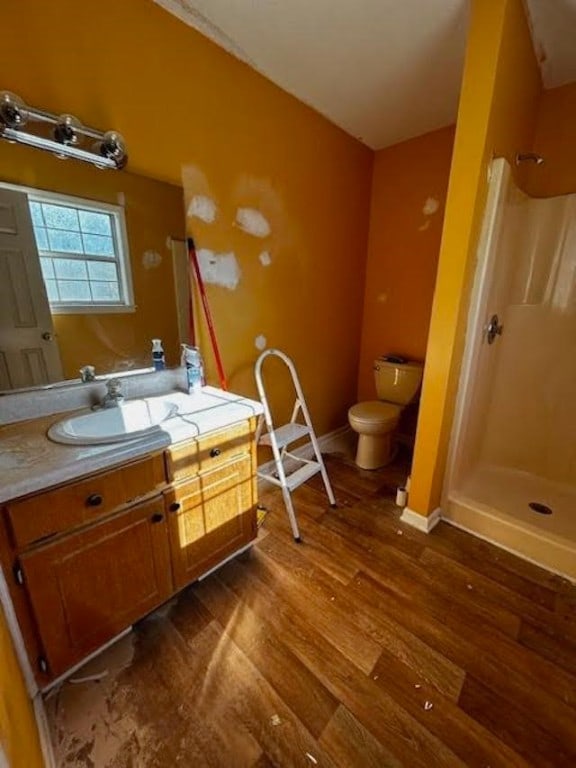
(397,384)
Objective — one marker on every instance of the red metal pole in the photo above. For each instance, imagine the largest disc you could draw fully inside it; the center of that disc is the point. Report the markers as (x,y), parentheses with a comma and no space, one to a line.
(194,261)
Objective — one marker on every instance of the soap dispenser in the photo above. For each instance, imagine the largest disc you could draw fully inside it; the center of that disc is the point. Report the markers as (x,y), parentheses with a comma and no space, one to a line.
(158,360)
(192,361)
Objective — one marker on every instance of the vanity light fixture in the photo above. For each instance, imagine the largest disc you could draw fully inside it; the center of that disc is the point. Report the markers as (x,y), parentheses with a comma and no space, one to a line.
(62,135)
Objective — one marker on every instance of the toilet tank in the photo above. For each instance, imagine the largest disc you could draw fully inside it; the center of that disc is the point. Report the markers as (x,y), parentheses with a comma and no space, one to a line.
(397,382)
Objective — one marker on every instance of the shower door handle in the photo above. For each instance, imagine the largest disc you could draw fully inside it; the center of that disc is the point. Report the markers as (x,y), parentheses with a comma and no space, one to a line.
(493,329)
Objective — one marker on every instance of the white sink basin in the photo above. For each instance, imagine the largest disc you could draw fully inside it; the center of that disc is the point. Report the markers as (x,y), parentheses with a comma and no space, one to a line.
(128,421)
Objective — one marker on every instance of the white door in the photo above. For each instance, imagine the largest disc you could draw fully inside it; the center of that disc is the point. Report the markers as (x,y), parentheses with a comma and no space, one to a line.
(29,354)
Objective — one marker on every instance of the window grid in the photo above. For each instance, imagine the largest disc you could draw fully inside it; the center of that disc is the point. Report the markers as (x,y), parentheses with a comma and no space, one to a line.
(84,231)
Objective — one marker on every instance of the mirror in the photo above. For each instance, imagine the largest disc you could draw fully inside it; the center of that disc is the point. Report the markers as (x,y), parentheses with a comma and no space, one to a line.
(113,340)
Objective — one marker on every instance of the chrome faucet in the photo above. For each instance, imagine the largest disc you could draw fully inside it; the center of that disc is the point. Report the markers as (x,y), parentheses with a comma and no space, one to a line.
(113,396)
(87,373)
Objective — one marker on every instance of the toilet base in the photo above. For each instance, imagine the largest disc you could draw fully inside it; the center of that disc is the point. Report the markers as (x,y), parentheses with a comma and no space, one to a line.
(375,451)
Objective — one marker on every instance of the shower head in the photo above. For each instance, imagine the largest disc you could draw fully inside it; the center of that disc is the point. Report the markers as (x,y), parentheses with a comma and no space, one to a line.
(528,157)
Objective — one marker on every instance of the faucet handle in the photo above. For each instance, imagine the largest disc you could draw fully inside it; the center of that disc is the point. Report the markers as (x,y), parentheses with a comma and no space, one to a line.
(114,386)
(87,373)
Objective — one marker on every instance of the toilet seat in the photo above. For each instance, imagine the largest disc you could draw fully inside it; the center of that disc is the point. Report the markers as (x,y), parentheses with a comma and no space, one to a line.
(375,412)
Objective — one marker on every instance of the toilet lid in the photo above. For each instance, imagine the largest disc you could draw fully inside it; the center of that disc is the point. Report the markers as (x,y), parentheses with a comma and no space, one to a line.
(375,412)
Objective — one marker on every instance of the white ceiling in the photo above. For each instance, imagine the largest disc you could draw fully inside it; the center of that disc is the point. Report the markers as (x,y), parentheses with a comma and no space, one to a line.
(554,34)
(383,70)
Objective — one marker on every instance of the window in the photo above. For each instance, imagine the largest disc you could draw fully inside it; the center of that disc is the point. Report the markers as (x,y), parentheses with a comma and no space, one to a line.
(83,254)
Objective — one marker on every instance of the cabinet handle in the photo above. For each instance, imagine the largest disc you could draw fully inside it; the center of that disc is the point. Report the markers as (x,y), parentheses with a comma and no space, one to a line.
(157,517)
(215,452)
(175,506)
(94,500)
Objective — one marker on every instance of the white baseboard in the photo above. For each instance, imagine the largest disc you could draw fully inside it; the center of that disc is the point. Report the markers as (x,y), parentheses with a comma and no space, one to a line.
(425,524)
(306,451)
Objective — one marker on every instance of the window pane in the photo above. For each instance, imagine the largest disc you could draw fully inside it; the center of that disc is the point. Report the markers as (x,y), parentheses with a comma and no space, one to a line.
(52,290)
(70,269)
(41,239)
(74,290)
(36,213)
(98,245)
(47,267)
(102,270)
(60,217)
(95,223)
(69,242)
(105,291)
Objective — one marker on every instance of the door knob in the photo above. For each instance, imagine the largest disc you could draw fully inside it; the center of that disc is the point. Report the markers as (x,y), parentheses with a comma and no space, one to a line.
(493,329)
(47,336)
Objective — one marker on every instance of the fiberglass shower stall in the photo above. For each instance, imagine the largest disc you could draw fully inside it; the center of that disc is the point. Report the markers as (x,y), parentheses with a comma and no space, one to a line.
(512,468)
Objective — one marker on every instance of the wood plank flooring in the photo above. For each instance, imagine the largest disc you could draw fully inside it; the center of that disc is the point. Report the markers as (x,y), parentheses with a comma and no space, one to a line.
(370,645)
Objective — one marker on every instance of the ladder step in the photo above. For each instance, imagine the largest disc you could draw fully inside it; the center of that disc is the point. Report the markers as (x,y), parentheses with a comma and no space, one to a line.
(296,479)
(289,433)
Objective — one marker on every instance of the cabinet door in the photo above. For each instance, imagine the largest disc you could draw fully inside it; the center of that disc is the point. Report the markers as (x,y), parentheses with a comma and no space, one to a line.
(210,517)
(90,585)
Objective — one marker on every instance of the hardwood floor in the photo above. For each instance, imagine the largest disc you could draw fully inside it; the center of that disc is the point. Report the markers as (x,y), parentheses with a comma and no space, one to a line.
(370,645)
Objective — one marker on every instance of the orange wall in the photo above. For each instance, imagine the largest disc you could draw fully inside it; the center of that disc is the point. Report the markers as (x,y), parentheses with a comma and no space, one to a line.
(154,212)
(193,115)
(403,248)
(18,734)
(497,116)
(555,141)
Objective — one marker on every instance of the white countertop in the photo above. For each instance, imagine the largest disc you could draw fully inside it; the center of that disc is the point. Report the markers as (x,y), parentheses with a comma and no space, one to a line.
(30,462)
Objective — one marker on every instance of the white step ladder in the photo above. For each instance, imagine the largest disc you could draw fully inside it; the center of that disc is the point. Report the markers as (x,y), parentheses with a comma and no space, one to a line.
(280,438)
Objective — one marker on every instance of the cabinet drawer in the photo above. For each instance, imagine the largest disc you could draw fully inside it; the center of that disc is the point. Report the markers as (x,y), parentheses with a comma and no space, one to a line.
(208,452)
(70,506)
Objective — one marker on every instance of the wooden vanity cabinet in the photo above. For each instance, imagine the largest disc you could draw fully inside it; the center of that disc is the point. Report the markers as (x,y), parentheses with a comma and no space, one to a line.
(91,557)
(88,586)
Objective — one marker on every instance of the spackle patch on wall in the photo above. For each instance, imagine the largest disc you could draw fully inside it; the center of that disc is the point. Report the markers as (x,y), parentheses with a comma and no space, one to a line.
(260,342)
(151,259)
(219,268)
(430,206)
(252,222)
(203,208)
(265,259)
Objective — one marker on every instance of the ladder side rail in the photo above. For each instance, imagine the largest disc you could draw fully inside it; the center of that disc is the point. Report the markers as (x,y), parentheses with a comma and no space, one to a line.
(262,394)
(284,486)
(308,420)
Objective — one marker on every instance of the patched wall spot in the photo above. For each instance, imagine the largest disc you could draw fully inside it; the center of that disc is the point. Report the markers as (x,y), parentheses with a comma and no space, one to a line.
(203,208)
(265,259)
(252,222)
(219,268)
(430,206)
(260,342)
(151,259)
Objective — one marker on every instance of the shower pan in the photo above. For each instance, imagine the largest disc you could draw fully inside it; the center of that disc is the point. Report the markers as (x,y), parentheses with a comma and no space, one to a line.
(511,475)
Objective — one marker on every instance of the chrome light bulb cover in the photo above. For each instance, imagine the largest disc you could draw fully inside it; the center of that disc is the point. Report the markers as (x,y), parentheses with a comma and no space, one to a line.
(113,147)
(67,131)
(13,110)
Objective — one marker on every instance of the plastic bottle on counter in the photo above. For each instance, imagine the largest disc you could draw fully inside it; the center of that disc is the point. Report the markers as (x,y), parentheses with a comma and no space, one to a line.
(192,361)
(158,359)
